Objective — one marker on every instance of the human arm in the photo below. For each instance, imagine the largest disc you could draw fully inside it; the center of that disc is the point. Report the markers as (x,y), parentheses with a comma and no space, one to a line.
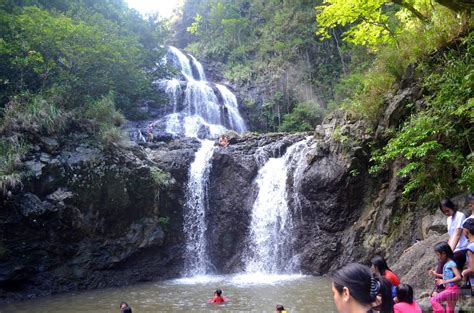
(436,275)
(454,239)
(457,277)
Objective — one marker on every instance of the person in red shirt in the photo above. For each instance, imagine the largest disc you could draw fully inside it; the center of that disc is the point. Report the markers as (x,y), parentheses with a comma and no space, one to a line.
(218,298)
(380,267)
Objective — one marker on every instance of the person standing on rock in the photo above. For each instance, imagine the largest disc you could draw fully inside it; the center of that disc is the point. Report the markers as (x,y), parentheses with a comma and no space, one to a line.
(457,240)
(450,276)
(468,273)
(351,288)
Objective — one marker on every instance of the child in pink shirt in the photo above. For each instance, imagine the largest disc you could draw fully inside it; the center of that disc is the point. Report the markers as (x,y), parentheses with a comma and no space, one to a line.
(404,302)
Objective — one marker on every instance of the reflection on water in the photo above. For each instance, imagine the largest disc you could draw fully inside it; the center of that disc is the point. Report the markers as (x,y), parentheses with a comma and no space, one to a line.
(247,293)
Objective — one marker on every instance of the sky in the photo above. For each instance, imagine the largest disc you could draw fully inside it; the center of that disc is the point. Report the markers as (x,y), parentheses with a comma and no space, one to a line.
(164,7)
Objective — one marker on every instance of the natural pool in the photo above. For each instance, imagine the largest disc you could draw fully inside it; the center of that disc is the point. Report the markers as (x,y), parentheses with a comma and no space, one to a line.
(247,293)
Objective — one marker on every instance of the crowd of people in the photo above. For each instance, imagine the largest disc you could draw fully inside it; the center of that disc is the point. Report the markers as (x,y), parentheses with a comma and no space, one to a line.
(358,289)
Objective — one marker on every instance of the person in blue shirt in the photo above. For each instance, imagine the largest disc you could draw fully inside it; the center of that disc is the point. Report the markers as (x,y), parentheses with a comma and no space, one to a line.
(450,276)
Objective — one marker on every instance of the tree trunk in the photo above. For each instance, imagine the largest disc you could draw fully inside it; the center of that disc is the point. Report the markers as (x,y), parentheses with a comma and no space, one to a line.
(411,8)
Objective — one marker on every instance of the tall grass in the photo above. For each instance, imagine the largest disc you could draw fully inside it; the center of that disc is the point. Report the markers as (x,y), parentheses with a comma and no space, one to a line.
(12,151)
(32,114)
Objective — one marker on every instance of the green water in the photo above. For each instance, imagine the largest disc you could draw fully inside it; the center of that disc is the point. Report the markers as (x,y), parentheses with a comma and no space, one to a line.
(246,293)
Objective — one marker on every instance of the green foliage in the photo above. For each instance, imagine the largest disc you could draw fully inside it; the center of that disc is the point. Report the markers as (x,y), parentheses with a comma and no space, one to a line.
(436,142)
(369,21)
(269,45)
(362,92)
(83,50)
(103,111)
(105,119)
(33,114)
(304,117)
(164,220)
(11,152)
(161,178)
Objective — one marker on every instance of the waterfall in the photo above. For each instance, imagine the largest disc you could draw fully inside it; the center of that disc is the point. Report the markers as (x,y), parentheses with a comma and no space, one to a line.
(196,261)
(271,221)
(199,68)
(181,62)
(230,103)
(197,107)
(173,88)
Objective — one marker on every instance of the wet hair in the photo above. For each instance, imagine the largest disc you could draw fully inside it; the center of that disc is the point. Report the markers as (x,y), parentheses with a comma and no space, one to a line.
(380,263)
(469,225)
(405,293)
(126,309)
(279,307)
(218,292)
(443,247)
(357,278)
(447,203)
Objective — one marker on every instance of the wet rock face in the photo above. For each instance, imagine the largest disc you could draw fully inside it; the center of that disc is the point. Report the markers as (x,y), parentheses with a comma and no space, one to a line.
(89,219)
(232,193)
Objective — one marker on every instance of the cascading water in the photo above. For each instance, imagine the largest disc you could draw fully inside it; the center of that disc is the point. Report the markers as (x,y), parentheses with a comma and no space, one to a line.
(196,261)
(230,102)
(271,222)
(198,108)
(196,111)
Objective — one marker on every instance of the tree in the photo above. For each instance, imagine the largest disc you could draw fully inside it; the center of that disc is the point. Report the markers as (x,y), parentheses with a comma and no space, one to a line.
(371,21)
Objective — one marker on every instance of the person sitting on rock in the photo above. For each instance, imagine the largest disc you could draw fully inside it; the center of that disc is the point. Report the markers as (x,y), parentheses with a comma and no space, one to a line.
(380,267)
(404,302)
(280,309)
(218,298)
(457,240)
(125,308)
(468,273)
(223,141)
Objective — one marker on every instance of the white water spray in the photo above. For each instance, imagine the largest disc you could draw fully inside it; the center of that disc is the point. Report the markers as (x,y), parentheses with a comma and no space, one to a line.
(195,226)
(271,224)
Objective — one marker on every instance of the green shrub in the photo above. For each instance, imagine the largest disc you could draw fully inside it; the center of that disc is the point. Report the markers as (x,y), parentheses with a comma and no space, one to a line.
(304,117)
(103,112)
(105,120)
(436,141)
(11,152)
(365,90)
(160,177)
